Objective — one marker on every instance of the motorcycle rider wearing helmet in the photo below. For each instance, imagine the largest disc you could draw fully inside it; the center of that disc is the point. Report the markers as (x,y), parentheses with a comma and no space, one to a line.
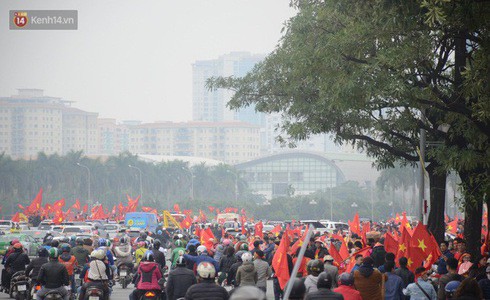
(97,274)
(314,268)
(80,253)
(324,286)
(179,280)
(206,288)
(202,255)
(147,277)
(246,273)
(53,276)
(124,255)
(142,238)
(16,262)
(140,252)
(158,255)
(331,269)
(178,251)
(32,270)
(70,263)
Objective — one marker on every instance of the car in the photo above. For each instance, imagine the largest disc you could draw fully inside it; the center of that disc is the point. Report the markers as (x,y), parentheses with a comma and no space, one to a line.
(29,243)
(335,226)
(74,230)
(112,229)
(5,225)
(267,228)
(317,225)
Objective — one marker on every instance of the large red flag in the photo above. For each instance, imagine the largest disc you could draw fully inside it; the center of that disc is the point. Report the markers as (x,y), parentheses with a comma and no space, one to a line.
(99,213)
(258,229)
(16,217)
(207,238)
(391,245)
(335,254)
(146,208)
(177,208)
(343,251)
(452,227)
(85,208)
(58,217)
(35,205)
(186,223)
(276,230)
(403,244)
(421,245)
(280,261)
(132,204)
(364,252)
(299,242)
(405,223)
(355,226)
(58,205)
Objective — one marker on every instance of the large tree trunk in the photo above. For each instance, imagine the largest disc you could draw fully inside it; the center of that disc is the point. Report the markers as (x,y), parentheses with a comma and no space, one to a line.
(474,196)
(435,223)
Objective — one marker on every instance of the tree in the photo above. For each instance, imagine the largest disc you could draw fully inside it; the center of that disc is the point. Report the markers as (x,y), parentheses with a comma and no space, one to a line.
(374,73)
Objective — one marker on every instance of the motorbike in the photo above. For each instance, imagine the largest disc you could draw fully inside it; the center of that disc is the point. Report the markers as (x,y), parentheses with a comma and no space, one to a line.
(124,276)
(19,286)
(151,295)
(94,293)
(34,288)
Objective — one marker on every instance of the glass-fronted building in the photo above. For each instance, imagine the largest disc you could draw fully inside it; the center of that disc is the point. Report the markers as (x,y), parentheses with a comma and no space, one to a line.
(285,173)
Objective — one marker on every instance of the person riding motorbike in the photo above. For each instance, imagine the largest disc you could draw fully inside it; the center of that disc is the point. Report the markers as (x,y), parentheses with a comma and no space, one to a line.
(16,262)
(53,276)
(70,263)
(206,288)
(97,274)
(140,252)
(179,280)
(159,255)
(80,253)
(202,255)
(147,277)
(32,270)
(123,255)
(178,250)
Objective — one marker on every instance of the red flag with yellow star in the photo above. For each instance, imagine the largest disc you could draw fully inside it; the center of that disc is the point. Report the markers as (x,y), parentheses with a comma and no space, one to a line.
(405,223)
(280,261)
(186,223)
(35,205)
(420,246)
(391,245)
(403,244)
(452,227)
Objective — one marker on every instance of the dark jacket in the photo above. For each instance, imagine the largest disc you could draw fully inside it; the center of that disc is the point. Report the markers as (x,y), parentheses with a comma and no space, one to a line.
(324,294)
(53,275)
(35,266)
(441,263)
(206,290)
(445,279)
(81,254)
(485,287)
(246,274)
(378,255)
(17,261)
(232,273)
(159,257)
(406,275)
(179,281)
(226,262)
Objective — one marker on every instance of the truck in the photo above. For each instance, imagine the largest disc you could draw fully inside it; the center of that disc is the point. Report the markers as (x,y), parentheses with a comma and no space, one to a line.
(141,221)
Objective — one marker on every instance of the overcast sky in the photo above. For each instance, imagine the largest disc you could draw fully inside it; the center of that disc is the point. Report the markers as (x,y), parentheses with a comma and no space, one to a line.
(132,59)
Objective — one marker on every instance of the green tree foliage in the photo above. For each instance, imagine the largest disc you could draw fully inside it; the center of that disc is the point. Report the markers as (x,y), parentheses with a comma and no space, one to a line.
(374,73)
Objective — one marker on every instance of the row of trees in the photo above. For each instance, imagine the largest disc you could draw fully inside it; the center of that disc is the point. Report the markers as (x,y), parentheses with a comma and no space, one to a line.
(381,75)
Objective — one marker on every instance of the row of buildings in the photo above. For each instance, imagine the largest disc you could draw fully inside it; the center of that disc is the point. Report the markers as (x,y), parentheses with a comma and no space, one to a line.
(31,122)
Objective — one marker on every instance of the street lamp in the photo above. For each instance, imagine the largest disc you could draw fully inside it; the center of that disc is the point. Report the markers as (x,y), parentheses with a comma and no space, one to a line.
(236,185)
(354,205)
(88,172)
(313,202)
(141,181)
(192,181)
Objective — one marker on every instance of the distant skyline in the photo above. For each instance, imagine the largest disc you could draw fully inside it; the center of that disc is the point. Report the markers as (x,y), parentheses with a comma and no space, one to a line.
(133,60)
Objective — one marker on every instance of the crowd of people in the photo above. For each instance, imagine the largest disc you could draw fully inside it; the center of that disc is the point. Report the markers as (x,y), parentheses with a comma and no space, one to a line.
(181,265)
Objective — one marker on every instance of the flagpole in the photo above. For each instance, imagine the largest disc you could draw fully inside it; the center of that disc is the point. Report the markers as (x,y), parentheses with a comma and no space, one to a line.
(141,182)
(289,285)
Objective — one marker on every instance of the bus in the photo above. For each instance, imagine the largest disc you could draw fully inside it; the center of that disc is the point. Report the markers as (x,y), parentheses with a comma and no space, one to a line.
(141,221)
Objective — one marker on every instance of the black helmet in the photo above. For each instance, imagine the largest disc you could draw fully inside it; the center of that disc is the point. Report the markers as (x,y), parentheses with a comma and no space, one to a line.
(157,244)
(143,235)
(314,267)
(79,241)
(298,290)
(42,252)
(324,281)
(55,243)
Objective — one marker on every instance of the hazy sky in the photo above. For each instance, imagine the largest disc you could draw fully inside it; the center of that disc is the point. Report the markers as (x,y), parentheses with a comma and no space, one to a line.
(132,59)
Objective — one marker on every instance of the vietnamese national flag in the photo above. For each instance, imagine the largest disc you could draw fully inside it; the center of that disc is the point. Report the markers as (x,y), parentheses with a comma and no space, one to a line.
(186,223)
(16,217)
(344,252)
(355,226)
(20,206)
(207,238)
(258,229)
(364,252)
(452,227)
(280,261)
(421,245)
(177,208)
(299,242)
(276,230)
(132,204)
(85,208)
(146,208)
(58,205)
(35,205)
(99,213)
(335,254)
(391,245)
(76,205)
(58,217)
(211,209)
(405,223)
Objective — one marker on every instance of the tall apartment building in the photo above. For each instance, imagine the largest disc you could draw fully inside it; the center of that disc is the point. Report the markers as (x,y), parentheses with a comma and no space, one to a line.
(231,142)
(31,122)
(211,105)
(113,138)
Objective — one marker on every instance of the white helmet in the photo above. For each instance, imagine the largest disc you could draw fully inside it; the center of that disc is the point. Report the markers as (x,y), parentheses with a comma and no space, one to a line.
(201,249)
(206,270)
(247,256)
(98,254)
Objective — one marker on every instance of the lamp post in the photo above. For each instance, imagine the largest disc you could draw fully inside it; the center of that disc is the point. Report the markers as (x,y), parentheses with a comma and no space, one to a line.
(141,181)
(88,193)
(192,182)
(331,204)
(236,185)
